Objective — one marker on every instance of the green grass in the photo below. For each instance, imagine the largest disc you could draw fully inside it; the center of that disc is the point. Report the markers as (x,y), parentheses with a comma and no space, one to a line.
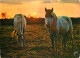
(37,46)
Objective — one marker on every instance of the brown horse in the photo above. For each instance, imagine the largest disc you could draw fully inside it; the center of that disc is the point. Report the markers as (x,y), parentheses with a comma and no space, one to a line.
(58,26)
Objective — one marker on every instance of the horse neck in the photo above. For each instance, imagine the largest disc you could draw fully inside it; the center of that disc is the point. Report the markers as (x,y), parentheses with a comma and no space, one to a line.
(54,19)
(54,24)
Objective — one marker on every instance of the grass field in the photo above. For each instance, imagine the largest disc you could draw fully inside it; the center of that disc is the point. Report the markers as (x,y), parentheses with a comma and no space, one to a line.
(37,45)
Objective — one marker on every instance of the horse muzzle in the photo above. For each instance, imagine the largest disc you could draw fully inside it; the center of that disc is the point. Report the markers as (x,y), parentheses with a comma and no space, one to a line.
(48,25)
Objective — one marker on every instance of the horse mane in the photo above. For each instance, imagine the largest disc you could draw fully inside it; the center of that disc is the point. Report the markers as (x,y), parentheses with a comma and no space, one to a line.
(54,16)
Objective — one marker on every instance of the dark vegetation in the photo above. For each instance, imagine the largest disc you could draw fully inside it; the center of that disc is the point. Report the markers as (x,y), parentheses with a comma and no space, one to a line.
(34,21)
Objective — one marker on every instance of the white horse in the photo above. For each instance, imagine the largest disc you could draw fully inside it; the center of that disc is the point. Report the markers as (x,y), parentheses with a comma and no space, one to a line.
(58,26)
(20,25)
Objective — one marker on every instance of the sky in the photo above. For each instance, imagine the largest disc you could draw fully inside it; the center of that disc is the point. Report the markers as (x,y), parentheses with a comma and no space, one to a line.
(36,8)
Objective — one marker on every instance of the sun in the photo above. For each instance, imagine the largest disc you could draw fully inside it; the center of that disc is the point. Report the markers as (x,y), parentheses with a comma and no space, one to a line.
(34,14)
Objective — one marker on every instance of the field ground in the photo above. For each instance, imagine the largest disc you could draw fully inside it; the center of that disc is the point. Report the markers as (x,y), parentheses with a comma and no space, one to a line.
(37,45)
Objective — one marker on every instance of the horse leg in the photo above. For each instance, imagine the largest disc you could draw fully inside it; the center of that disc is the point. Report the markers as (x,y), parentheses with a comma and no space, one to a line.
(56,45)
(19,40)
(71,34)
(52,39)
(23,41)
(65,38)
(71,37)
(61,41)
(23,37)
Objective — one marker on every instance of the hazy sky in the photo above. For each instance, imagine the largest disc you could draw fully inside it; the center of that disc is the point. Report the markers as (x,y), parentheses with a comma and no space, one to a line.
(36,8)
(45,0)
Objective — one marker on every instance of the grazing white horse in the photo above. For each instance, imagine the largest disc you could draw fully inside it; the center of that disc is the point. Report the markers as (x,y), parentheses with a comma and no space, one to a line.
(58,26)
(20,25)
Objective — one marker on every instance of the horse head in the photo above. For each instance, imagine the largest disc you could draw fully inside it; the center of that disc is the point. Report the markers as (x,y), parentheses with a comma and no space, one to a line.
(49,12)
(48,16)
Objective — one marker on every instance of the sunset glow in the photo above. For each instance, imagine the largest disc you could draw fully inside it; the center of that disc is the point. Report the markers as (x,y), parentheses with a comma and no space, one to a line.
(34,14)
(37,9)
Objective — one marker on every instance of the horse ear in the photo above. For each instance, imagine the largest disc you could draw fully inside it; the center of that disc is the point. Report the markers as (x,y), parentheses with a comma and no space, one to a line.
(52,9)
(45,9)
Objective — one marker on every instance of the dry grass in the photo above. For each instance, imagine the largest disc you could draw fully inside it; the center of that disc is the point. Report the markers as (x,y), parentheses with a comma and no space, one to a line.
(37,46)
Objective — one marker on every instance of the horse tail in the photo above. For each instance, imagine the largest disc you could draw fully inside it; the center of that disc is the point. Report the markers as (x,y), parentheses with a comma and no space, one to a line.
(71,29)
(23,22)
(71,33)
(24,19)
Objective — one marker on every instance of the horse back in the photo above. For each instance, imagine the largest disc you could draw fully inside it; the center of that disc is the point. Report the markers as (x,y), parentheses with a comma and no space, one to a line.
(64,24)
(19,23)
(19,19)
(67,19)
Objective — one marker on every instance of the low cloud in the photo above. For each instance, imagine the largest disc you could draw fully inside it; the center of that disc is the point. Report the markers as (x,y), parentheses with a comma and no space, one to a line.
(72,1)
(11,2)
(18,0)
(15,1)
(66,1)
(46,1)
(43,1)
